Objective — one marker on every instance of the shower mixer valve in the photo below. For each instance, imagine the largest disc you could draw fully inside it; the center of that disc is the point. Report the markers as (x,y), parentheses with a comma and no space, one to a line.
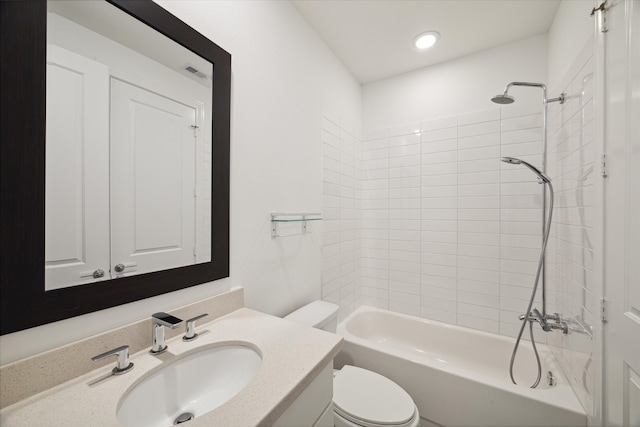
(558,323)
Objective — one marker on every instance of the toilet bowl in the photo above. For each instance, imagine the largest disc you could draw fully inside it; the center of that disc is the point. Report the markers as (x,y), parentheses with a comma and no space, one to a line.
(361,398)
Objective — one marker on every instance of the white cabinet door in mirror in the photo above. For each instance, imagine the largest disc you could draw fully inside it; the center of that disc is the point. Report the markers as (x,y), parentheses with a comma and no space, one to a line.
(77,174)
(153,222)
(153,187)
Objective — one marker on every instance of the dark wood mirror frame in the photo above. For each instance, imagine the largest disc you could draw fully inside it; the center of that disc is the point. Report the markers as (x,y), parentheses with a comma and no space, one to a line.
(24,303)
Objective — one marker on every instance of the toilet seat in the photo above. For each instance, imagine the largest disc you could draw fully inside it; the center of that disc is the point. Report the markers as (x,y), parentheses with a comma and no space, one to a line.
(369,399)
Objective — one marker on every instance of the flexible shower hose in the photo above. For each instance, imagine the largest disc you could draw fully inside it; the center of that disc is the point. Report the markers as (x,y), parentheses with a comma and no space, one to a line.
(533,294)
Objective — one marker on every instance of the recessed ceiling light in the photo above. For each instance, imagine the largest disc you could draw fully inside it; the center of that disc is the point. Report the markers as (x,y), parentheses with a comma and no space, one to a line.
(425,40)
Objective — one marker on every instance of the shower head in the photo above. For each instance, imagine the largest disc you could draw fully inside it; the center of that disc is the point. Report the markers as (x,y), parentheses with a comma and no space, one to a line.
(511,160)
(503,98)
(544,179)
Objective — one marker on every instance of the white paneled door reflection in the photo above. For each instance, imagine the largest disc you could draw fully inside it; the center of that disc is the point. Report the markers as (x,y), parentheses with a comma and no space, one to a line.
(153,159)
(120,175)
(77,169)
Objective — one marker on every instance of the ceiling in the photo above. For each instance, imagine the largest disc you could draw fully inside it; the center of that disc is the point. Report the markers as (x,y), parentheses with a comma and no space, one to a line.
(373,38)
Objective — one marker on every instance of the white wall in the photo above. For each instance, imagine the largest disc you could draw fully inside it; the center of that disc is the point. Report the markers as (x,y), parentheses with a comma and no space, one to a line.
(462,85)
(284,79)
(569,31)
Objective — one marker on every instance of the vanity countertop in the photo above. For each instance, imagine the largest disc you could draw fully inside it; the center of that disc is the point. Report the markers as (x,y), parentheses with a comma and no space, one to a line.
(292,355)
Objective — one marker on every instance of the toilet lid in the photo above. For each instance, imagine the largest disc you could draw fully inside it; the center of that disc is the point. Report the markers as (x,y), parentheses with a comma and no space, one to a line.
(370,397)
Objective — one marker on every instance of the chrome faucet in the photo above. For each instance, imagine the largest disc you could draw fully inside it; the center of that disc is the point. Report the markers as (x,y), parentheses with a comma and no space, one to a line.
(158,322)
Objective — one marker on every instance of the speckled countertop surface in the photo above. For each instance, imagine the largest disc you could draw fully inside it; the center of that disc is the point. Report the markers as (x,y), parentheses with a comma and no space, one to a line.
(292,356)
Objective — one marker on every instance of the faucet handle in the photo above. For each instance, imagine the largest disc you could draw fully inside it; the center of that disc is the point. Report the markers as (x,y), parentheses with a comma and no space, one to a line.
(123,364)
(191,335)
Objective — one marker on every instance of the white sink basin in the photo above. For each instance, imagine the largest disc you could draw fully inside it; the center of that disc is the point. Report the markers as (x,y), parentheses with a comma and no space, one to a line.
(194,385)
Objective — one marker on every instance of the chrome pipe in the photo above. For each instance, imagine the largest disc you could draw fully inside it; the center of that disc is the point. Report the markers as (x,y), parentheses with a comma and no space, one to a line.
(544,165)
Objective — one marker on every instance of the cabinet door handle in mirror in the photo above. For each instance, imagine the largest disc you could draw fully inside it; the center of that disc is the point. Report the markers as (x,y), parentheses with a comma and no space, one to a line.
(120,267)
(95,274)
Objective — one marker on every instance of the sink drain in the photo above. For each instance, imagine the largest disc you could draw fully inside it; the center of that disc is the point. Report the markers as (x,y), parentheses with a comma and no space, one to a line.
(183,418)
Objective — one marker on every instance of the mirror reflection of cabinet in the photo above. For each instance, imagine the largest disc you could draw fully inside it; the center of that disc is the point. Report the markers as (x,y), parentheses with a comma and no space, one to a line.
(153,182)
(77,169)
(23,299)
(126,157)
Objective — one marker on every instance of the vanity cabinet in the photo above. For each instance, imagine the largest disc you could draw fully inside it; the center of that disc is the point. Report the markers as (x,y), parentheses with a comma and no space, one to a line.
(314,406)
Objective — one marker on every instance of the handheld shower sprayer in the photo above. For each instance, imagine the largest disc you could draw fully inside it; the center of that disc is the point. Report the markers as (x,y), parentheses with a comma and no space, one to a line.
(533,314)
(543,179)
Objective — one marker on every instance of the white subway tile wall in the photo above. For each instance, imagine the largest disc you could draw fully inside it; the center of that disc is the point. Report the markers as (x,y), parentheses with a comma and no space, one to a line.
(440,228)
(438,235)
(342,189)
(449,232)
(375,221)
(570,253)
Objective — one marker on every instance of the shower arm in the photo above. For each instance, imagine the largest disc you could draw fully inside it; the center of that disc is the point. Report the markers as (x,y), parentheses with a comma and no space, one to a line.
(545,100)
(527,84)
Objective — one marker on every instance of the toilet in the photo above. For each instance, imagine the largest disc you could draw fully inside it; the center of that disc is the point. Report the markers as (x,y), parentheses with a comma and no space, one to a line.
(361,398)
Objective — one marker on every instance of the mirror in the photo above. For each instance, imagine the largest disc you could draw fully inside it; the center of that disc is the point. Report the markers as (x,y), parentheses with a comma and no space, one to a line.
(27,159)
(128,145)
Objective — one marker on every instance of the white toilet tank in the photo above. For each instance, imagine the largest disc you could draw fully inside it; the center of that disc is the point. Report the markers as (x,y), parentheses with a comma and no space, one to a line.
(318,314)
(391,407)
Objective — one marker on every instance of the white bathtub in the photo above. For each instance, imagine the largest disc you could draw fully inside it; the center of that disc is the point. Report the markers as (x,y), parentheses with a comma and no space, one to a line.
(458,376)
